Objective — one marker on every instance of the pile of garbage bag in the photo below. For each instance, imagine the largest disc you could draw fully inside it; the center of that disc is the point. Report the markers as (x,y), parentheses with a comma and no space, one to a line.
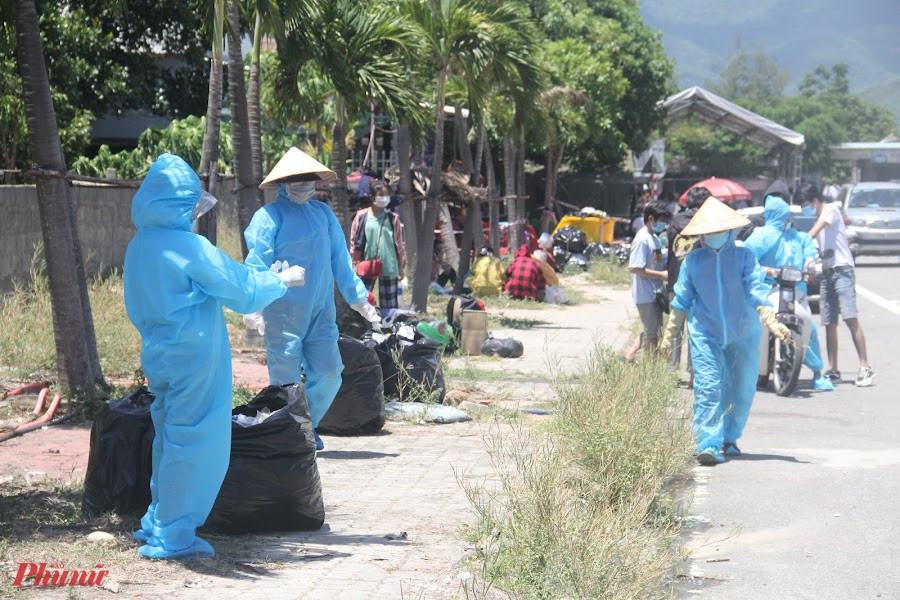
(504,348)
(120,462)
(272,483)
(571,240)
(358,407)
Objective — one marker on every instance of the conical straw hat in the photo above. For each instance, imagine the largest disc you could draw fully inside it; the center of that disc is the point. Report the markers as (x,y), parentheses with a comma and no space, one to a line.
(714,216)
(295,166)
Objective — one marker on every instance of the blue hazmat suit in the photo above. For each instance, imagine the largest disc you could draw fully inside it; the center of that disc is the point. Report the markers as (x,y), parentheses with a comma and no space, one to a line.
(301,327)
(776,247)
(175,285)
(720,292)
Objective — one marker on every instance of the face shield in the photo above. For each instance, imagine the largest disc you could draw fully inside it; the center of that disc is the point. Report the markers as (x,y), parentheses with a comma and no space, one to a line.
(204,204)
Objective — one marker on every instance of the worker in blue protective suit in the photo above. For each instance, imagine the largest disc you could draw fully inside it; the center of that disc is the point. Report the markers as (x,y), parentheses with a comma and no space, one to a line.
(721,293)
(176,283)
(777,244)
(301,329)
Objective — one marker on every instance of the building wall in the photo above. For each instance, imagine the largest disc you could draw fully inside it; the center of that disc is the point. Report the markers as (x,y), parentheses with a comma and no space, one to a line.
(104,227)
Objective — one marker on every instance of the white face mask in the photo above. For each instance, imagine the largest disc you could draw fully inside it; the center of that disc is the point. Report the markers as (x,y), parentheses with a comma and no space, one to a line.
(300,193)
(382,201)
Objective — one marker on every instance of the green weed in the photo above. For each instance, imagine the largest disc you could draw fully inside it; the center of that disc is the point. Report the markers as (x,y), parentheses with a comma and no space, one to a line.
(610,272)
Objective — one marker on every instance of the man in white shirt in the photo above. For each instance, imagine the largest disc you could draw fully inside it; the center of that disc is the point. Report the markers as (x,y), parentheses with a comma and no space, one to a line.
(838,296)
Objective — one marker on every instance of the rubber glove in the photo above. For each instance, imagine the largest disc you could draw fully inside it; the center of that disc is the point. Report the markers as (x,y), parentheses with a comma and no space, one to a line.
(676,322)
(293,276)
(255,321)
(368,312)
(767,314)
(278,265)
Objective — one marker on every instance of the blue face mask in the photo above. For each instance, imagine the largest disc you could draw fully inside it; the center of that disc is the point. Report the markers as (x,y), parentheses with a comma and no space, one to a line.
(659,227)
(808,211)
(716,240)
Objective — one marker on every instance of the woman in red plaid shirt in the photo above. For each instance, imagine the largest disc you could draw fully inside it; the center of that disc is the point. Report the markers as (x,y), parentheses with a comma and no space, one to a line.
(524,277)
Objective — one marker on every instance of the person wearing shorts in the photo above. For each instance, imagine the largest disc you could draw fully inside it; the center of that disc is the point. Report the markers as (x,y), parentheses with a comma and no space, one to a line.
(838,291)
(648,274)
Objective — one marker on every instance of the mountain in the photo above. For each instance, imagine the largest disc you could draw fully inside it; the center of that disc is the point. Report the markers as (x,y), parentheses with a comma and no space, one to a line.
(798,34)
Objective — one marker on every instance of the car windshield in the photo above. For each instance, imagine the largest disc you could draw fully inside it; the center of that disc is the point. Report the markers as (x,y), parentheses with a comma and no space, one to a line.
(875,198)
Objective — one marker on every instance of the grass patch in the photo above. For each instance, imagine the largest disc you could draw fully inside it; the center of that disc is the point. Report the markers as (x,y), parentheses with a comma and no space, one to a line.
(27,346)
(228,240)
(504,300)
(610,272)
(581,509)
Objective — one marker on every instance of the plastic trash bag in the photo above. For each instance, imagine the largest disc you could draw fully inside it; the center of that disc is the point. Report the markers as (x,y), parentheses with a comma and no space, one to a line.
(560,257)
(580,260)
(553,294)
(430,413)
(571,239)
(505,348)
(120,463)
(272,482)
(412,372)
(349,321)
(357,408)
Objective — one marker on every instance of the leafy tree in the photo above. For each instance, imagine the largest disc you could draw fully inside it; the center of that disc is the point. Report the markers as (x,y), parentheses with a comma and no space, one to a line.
(753,77)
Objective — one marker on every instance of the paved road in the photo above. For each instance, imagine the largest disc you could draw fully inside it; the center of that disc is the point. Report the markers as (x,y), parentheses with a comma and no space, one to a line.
(813,508)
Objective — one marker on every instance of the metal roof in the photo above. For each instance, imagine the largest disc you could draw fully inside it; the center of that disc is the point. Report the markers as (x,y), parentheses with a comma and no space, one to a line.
(703,104)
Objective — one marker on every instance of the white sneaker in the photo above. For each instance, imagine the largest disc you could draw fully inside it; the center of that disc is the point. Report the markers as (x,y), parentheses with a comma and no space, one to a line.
(866,377)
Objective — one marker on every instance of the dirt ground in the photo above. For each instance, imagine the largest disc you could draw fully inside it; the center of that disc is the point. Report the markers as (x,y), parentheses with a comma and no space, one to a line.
(396,511)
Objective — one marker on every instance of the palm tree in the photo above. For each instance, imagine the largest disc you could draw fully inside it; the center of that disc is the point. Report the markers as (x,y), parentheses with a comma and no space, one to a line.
(249,196)
(360,48)
(209,158)
(78,362)
(455,35)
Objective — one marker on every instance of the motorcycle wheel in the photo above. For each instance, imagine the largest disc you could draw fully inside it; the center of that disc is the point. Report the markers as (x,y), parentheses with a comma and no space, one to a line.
(787,360)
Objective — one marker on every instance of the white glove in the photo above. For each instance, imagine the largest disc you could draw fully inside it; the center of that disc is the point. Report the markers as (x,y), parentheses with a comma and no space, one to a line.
(255,321)
(278,266)
(292,276)
(368,312)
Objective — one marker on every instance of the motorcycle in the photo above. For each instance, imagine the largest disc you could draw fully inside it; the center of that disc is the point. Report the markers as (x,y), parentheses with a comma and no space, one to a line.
(781,360)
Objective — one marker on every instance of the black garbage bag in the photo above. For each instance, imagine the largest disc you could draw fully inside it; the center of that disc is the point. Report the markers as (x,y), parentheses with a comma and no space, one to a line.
(358,407)
(413,373)
(349,322)
(505,347)
(120,463)
(560,257)
(580,260)
(272,482)
(573,240)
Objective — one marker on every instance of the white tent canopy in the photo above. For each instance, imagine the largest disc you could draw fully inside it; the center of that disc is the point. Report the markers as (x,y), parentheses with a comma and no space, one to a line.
(703,104)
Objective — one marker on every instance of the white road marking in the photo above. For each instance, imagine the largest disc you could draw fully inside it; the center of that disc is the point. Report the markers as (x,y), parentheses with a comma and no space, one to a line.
(879,300)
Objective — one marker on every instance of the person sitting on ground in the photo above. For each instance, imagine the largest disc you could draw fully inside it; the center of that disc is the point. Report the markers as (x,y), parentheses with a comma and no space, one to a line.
(722,291)
(487,274)
(647,275)
(524,277)
(777,244)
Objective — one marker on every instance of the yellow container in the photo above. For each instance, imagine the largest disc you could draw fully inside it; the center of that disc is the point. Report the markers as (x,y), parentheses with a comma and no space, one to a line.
(598,230)
(474,331)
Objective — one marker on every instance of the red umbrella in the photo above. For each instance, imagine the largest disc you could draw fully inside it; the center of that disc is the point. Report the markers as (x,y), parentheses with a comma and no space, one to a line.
(725,190)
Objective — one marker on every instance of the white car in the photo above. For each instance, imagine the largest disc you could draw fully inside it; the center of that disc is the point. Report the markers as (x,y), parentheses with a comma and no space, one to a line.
(872,212)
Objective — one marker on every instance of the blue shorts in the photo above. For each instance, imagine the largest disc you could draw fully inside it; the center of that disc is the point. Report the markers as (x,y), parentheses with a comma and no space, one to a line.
(838,296)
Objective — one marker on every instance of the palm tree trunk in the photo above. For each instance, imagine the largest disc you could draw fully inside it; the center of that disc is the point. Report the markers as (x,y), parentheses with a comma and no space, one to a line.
(550,176)
(494,205)
(520,185)
(509,181)
(462,141)
(78,362)
(340,199)
(479,154)
(253,107)
(248,201)
(209,157)
(407,209)
(426,238)
(371,145)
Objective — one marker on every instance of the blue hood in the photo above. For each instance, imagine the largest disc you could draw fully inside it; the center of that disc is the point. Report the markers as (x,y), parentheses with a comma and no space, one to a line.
(167,196)
(777,212)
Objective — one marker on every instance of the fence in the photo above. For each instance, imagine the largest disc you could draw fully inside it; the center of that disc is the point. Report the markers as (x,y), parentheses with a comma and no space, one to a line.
(103,216)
